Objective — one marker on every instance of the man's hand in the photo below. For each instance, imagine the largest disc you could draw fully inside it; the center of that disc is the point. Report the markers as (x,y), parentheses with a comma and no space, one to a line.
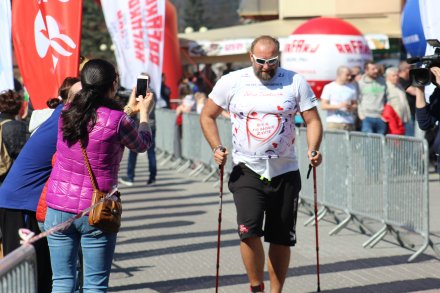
(315,158)
(220,155)
(436,72)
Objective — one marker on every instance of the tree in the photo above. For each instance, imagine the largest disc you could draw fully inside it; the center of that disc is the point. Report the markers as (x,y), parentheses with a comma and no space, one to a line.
(193,14)
(95,33)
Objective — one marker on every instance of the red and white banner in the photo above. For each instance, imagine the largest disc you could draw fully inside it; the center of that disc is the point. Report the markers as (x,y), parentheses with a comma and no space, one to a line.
(137,31)
(6,73)
(46,36)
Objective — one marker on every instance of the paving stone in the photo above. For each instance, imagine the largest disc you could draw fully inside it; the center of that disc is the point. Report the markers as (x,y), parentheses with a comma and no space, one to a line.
(168,243)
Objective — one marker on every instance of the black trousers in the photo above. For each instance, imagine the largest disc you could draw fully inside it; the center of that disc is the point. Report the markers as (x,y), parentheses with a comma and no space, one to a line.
(10,221)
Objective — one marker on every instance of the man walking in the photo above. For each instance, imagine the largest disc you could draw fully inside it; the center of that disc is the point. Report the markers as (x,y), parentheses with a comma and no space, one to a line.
(339,98)
(263,100)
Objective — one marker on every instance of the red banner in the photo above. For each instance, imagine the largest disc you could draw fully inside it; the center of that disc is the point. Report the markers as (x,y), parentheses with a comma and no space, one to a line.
(46,36)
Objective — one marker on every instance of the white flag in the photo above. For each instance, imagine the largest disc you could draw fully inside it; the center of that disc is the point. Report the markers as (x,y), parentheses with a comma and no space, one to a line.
(6,72)
(431,28)
(137,31)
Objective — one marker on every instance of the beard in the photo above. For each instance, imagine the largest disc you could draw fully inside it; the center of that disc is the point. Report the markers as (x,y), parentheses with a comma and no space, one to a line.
(264,75)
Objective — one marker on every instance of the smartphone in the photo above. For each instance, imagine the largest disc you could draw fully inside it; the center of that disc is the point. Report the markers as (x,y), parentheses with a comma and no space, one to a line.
(143,82)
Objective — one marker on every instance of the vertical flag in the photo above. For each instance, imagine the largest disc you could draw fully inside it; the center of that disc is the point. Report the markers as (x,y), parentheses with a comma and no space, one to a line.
(46,36)
(431,28)
(6,73)
(137,31)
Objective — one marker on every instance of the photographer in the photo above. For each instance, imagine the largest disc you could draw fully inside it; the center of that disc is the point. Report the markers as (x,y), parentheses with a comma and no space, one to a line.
(428,114)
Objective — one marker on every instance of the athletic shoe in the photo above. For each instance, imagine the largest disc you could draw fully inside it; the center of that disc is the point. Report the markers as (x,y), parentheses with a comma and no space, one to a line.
(151,182)
(126,181)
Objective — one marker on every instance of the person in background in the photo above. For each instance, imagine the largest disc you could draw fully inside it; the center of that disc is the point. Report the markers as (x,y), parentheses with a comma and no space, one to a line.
(372,99)
(339,98)
(265,181)
(151,154)
(38,117)
(356,73)
(14,133)
(95,120)
(410,92)
(200,101)
(21,189)
(428,114)
(396,112)
(165,92)
(188,104)
(24,109)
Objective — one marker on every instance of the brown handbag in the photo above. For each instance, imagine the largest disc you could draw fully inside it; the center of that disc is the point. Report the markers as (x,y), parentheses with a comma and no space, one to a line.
(107,214)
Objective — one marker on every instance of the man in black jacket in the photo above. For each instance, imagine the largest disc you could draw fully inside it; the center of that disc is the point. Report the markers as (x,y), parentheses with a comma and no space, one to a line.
(428,114)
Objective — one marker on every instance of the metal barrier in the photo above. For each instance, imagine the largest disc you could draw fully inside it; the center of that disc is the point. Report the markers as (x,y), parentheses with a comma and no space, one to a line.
(165,123)
(18,271)
(194,146)
(165,133)
(370,176)
(367,176)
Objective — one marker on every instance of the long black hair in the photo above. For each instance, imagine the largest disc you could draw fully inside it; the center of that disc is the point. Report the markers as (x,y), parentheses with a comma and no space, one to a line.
(97,79)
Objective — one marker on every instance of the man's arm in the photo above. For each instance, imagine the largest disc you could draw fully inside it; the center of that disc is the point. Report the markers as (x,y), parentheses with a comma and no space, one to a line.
(314,134)
(325,105)
(208,123)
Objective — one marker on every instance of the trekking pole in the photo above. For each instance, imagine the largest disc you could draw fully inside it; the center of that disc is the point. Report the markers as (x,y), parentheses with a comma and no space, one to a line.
(315,197)
(221,167)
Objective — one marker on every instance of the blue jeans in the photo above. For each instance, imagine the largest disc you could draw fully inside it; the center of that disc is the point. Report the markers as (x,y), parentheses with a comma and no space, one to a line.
(409,128)
(151,153)
(97,248)
(374,125)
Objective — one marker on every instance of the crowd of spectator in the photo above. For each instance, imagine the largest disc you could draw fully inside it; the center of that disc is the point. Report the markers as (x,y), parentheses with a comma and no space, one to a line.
(372,101)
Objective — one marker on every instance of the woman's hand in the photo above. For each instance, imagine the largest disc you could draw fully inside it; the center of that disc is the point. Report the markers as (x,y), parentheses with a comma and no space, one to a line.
(140,103)
(146,104)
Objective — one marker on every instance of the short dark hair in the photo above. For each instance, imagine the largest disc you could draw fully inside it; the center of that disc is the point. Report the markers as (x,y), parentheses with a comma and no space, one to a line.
(10,102)
(368,62)
(265,38)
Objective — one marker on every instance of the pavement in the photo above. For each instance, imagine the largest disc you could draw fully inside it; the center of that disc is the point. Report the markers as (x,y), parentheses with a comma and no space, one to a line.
(168,243)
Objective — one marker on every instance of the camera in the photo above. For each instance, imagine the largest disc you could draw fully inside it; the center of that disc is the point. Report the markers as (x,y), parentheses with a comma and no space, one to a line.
(421,75)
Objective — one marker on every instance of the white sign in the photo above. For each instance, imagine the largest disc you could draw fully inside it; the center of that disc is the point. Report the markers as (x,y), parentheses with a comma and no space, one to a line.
(6,72)
(219,48)
(137,31)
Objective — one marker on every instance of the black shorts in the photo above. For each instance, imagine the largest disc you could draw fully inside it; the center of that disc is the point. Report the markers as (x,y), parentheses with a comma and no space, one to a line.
(278,199)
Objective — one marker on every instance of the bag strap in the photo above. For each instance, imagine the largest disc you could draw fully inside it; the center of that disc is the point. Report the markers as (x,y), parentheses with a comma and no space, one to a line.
(4,121)
(1,129)
(89,169)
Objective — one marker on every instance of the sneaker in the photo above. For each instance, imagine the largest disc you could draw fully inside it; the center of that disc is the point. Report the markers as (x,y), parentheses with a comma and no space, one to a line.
(151,182)
(126,181)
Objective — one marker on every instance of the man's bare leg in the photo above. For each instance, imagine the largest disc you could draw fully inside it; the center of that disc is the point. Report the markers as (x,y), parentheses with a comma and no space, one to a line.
(252,253)
(277,264)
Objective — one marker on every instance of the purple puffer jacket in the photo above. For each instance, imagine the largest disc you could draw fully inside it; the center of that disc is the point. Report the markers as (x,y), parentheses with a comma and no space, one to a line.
(70,188)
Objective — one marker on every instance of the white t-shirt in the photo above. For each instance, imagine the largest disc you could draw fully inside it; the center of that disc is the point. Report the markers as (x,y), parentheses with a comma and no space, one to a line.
(339,93)
(263,117)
